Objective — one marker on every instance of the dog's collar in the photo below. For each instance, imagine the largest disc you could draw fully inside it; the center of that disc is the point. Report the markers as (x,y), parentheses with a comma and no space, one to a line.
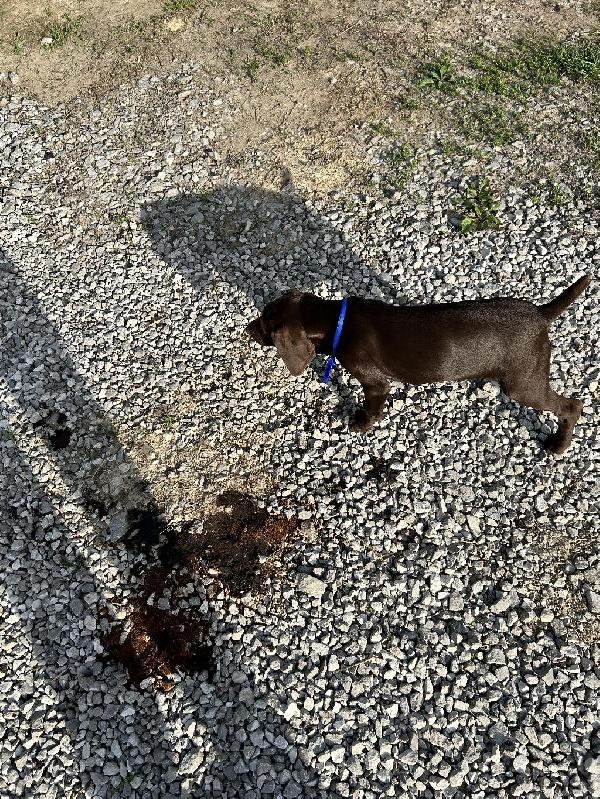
(336,338)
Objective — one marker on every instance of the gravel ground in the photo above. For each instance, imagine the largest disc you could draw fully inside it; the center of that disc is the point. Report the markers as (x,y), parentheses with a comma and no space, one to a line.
(428,623)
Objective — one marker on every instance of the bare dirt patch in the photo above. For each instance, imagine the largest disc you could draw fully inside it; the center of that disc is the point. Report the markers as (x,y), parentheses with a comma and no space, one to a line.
(303,76)
(235,548)
(242,540)
(183,475)
(564,573)
(155,644)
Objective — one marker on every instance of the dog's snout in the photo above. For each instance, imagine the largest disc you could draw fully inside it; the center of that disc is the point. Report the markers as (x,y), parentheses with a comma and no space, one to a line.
(256,332)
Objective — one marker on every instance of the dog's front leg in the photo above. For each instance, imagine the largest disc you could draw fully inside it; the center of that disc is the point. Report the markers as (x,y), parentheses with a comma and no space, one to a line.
(376,389)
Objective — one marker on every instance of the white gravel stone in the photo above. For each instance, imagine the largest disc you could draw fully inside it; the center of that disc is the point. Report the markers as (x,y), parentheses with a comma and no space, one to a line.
(311,586)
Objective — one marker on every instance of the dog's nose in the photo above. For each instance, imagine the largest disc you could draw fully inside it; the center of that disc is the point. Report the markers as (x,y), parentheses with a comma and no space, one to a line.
(254,331)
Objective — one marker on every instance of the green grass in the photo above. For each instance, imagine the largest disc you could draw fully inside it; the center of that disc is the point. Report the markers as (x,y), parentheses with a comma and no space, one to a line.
(400,155)
(476,207)
(174,6)
(541,63)
(252,67)
(516,71)
(18,44)
(117,217)
(382,128)
(492,124)
(168,422)
(63,29)
(349,55)
(305,52)
(402,162)
(591,143)
(408,103)
(438,75)
(555,196)
(274,55)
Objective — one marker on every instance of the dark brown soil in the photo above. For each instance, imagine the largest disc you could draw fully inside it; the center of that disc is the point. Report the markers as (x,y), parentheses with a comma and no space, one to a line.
(159,643)
(234,542)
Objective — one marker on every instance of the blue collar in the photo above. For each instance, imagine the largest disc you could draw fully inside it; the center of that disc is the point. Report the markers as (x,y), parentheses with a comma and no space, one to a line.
(336,338)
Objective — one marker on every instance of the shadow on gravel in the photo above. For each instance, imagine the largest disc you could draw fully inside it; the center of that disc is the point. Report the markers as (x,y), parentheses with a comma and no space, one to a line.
(260,242)
(49,583)
(42,561)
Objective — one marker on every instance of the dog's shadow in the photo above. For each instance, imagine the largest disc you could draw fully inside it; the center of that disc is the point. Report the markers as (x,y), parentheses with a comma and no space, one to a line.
(347,400)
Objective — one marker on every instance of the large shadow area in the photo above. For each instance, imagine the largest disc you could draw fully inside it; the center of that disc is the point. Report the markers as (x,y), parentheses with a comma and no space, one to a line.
(260,242)
(49,584)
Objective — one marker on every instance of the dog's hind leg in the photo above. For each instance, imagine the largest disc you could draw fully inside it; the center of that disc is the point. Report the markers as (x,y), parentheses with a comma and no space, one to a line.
(533,389)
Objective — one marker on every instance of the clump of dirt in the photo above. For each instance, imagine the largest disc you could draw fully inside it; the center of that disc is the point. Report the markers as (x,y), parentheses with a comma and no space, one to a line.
(236,546)
(241,540)
(156,643)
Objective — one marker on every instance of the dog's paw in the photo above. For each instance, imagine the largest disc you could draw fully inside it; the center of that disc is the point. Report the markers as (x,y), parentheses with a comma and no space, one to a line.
(556,444)
(361,422)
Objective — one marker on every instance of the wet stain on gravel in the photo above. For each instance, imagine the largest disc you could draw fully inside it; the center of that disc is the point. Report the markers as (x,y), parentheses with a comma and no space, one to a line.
(231,548)
(145,526)
(96,506)
(56,430)
(60,438)
(157,643)
(238,540)
(380,469)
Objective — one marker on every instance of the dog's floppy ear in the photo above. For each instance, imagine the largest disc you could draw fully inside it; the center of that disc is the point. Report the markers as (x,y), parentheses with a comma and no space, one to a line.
(293,347)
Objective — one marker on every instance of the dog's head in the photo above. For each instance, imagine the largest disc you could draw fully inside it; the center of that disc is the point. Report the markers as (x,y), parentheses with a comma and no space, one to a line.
(280,325)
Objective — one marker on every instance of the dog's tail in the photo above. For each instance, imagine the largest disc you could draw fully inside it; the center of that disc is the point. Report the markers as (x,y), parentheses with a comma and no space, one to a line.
(556,306)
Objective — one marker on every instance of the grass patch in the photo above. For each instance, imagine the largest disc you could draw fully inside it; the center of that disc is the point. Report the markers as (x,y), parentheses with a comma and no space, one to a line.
(175,6)
(401,164)
(492,124)
(168,422)
(274,55)
(277,38)
(18,44)
(476,207)
(555,196)
(591,143)
(117,217)
(382,128)
(305,52)
(516,71)
(548,192)
(63,29)
(349,55)
(252,67)
(438,75)
(408,103)
(538,64)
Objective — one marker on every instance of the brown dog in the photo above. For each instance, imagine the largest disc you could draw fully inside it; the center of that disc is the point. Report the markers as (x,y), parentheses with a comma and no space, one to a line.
(502,339)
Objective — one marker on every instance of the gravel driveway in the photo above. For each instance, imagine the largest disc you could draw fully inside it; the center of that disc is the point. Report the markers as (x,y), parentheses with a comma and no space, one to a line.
(412,613)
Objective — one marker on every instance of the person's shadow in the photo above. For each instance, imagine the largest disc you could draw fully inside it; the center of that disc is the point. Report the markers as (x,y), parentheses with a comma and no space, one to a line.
(71,499)
(50,423)
(260,242)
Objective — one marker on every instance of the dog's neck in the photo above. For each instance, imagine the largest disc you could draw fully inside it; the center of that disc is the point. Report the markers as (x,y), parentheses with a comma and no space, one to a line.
(319,318)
